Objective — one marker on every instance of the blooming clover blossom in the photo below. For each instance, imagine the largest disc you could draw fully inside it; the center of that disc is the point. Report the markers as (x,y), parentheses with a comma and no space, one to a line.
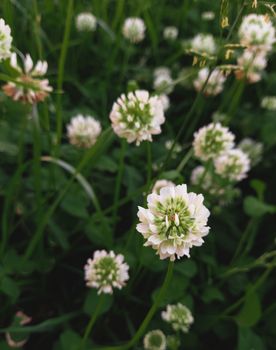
(106,271)
(204,43)
(208,15)
(27,86)
(179,316)
(253,149)
(214,85)
(170,33)
(83,131)
(160,184)
(5,40)
(232,165)
(257,32)
(177,148)
(165,101)
(155,340)
(269,103)
(202,178)
(163,81)
(212,140)
(86,22)
(137,116)
(252,64)
(134,29)
(173,222)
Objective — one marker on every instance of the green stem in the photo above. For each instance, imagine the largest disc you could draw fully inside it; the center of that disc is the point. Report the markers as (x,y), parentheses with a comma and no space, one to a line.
(36,24)
(119,181)
(92,321)
(149,164)
(61,65)
(185,160)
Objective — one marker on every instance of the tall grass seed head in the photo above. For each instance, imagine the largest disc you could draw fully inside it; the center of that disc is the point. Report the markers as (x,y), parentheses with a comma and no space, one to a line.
(179,316)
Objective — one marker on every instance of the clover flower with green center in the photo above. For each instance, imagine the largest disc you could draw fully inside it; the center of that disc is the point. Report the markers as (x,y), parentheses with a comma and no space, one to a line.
(212,140)
(232,165)
(269,103)
(106,271)
(134,29)
(137,116)
(173,222)
(155,340)
(5,40)
(204,43)
(160,184)
(251,64)
(257,32)
(253,149)
(215,83)
(83,131)
(86,22)
(179,316)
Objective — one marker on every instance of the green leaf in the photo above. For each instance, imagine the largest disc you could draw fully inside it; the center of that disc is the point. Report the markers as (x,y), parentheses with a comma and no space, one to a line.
(259,186)
(212,294)
(70,340)
(249,340)
(255,208)
(75,204)
(9,287)
(92,300)
(250,312)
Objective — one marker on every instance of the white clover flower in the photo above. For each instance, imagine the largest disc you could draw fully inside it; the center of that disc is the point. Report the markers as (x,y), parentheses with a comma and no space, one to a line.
(269,103)
(212,140)
(86,22)
(179,316)
(252,65)
(155,340)
(173,222)
(165,100)
(253,149)
(106,271)
(257,32)
(163,83)
(232,165)
(201,177)
(170,33)
(134,29)
(208,15)
(204,43)
(28,86)
(5,40)
(137,116)
(83,131)
(160,71)
(160,184)
(215,82)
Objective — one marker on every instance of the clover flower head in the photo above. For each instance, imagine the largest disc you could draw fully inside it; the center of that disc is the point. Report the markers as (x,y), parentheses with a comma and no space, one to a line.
(179,316)
(257,32)
(160,184)
(106,271)
(253,149)
(161,71)
(200,176)
(155,340)
(170,33)
(232,165)
(269,103)
(134,29)
(252,64)
(176,150)
(212,140)
(15,340)
(214,85)
(86,22)
(173,222)
(137,116)
(83,131)
(208,15)
(163,81)
(28,87)
(165,100)
(204,43)
(5,40)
